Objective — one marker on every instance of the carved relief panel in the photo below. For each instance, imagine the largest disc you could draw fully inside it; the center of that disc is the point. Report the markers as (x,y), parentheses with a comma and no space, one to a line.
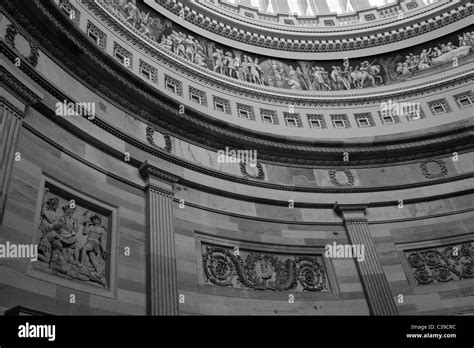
(441,264)
(250,269)
(74,234)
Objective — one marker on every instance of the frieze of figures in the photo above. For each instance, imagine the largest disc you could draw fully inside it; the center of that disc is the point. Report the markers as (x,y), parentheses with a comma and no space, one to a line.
(326,75)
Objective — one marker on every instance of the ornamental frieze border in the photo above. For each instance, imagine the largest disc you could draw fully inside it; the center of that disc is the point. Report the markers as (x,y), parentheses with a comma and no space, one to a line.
(225,266)
(268,94)
(254,39)
(197,138)
(441,264)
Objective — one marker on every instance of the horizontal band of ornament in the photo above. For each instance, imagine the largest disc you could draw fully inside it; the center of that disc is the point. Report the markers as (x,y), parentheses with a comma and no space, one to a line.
(233,33)
(243,181)
(8,80)
(442,264)
(227,133)
(249,269)
(248,89)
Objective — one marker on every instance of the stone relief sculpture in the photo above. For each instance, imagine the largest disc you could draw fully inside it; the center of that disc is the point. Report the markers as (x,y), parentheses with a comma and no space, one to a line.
(263,271)
(72,240)
(442,264)
(296,75)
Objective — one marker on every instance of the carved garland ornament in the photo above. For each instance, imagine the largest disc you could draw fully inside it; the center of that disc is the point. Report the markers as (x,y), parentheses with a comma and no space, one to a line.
(260,172)
(443,264)
(149,138)
(263,271)
(348,173)
(10,36)
(427,174)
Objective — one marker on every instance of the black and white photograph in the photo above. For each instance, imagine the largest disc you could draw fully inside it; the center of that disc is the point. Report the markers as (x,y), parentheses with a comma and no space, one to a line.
(213,172)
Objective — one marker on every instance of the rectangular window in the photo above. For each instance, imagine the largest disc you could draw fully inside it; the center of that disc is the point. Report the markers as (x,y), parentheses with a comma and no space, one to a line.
(268,119)
(465,102)
(120,57)
(220,107)
(171,87)
(388,119)
(291,122)
(363,122)
(314,123)
(339,123)
(196,98)
(244,114)
(93,36)
(439,109)
(145,74)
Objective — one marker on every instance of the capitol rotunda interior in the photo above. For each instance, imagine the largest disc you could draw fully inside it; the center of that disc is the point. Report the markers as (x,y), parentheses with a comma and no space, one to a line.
(236,157)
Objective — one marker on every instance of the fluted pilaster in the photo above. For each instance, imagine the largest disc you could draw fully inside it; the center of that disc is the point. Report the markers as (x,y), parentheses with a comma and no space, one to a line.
(10,124)
(16,95)
(162,273)
(376,287)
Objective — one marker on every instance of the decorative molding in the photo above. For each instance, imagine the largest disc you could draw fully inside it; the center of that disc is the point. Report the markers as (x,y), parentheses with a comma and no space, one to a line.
(260,172)
(149,138)
(11,83)
(442,264)
(230,134)
(350,177)
(310,45)
(220,81)
(10,35)
(342,208)
(427,174)
(148,170)
(263,271)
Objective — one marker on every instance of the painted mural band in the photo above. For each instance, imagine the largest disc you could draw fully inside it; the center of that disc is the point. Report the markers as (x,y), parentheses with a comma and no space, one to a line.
(326,75)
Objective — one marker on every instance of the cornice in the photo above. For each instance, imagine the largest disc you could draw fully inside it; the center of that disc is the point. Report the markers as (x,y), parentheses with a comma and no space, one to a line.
(233,178)
(148,170)
(343,208)
(269,149)
(267,40)
(11,83)
(269,94)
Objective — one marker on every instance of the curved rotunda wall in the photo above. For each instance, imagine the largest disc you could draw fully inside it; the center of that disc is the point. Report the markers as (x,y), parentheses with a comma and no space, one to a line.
(117,165)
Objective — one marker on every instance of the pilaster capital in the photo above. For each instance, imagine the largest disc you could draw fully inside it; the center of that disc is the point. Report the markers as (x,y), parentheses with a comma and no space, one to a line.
(158,179)
(351,212)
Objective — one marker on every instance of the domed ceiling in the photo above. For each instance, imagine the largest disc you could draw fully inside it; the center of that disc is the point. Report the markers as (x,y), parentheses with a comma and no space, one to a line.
(310,7)
(301,75)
